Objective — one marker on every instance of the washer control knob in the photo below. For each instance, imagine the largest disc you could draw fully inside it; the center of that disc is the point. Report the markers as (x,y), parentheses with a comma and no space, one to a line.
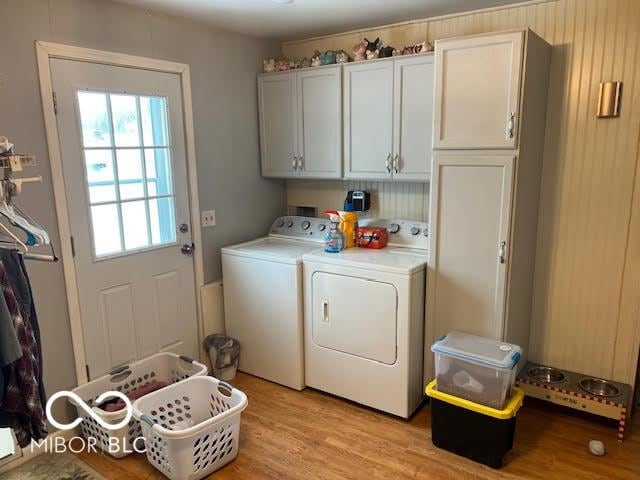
(289,224)
(415,230)
(306,224)
(280,223)
(322,227)
(394,228)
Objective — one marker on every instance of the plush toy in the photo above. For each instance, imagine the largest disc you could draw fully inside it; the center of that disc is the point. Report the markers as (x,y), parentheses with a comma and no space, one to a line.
(387,51)
(294,64)
(306,63)
(269,65)
(315,60)
(342,57)
(373,48)
(417,48)
(359,51)
(328,57)
(282,65)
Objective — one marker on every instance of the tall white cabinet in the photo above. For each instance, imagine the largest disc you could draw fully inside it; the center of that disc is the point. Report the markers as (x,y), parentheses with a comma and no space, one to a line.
(300,115)
(489,123)
(388,113)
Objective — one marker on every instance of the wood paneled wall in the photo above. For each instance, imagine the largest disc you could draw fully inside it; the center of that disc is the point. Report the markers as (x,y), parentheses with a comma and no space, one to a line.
(586,311)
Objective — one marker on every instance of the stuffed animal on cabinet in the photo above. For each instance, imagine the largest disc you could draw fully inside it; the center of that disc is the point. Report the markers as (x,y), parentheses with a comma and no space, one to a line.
(269,65)
(328,57)
(372,48)
(387,51)
(359,52)
(342,57)
(306,63)
(315,60)
(282,65)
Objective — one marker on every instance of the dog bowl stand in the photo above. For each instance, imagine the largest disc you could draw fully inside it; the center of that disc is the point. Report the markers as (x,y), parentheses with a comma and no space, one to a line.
(569,394)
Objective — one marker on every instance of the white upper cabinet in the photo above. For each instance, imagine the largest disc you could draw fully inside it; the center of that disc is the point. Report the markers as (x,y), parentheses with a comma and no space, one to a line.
(413,118)
(319,123)
(368,120)
(278,123)
(477,91)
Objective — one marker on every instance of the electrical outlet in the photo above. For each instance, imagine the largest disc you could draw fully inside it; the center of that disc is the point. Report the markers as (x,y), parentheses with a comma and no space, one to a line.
(208,218)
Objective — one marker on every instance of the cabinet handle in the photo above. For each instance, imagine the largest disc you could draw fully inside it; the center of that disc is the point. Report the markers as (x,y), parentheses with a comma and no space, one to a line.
(300,164)
(295,162)
(387,163)
(511,124)
(502,252)
(325,311)
(396,163)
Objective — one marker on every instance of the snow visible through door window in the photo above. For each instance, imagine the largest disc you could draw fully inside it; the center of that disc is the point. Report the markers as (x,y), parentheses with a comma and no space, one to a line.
(127,157)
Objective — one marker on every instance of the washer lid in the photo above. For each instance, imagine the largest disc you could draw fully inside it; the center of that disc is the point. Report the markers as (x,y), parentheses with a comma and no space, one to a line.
(274,249)
(390,259)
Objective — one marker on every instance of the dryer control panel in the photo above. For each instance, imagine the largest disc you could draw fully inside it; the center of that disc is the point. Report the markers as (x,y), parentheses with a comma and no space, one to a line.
(302,228)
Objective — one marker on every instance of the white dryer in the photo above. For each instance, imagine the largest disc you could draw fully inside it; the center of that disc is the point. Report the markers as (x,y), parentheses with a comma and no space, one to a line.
(262,284)
(364,320)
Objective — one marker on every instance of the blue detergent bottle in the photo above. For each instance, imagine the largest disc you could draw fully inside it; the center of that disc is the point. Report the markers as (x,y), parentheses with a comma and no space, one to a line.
(334,239)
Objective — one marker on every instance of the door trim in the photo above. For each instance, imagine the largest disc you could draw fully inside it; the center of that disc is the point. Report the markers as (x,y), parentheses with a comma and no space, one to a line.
(45,51)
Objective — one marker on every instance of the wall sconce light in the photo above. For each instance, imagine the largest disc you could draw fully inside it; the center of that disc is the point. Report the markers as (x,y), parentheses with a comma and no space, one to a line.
(609,99)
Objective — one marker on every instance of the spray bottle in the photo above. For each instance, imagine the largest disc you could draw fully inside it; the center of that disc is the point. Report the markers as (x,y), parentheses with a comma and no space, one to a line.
(334,239)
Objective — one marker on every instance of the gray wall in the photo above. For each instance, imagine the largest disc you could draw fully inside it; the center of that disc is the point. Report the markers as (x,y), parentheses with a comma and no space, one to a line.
(223,67)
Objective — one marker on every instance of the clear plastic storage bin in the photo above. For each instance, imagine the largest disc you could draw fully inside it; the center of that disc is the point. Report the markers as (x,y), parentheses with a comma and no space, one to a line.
(478,369)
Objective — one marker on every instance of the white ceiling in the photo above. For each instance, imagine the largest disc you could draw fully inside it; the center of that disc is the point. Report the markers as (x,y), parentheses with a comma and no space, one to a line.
(305,18)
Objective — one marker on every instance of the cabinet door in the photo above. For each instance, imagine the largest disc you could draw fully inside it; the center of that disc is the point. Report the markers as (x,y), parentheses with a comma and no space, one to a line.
(413,118)
(470,212)
(477,91)
(320,122)
(368,120)
(278,124)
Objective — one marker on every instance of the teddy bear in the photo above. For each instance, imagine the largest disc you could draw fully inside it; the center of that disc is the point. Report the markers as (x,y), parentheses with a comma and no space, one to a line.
(342,57)
(269,65)
(387,51)
(359,50)
(315,60)
(282,65)
(372,48)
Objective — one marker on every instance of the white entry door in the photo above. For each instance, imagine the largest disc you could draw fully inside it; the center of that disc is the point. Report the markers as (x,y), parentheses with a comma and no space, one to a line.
(123,150)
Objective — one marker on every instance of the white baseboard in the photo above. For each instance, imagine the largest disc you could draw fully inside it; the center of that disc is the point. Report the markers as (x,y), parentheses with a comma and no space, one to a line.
(29,453)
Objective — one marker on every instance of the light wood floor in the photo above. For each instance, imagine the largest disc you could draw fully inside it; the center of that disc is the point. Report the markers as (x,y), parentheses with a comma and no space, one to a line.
(310,435)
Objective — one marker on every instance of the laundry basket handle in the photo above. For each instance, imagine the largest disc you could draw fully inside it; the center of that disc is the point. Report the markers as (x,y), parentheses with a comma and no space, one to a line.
(225,385)
(186,359)
(148,420)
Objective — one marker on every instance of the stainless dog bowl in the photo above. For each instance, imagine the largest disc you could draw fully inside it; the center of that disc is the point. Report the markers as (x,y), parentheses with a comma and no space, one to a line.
(599,388)
(547,375)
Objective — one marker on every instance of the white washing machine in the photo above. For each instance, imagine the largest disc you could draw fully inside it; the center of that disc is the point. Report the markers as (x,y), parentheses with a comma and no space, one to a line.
(262,284)
(364,320)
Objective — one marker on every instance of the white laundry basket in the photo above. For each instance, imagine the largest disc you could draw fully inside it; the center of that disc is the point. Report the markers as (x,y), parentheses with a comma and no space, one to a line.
(163,367)
(191,428)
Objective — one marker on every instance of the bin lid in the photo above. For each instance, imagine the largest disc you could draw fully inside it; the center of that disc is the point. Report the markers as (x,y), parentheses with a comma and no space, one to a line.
(509,411)
(478,349)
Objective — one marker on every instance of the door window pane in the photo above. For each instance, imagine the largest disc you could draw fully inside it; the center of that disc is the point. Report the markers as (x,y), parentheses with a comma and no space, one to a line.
(94,119)
(158,165)
(125,120)
(106,229)
(153,112)
(100,175)
(130,174)
(134,223)
(162,215)
(130,186)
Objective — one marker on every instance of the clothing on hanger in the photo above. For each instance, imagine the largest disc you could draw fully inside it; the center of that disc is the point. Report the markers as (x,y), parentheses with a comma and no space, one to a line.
(23,405)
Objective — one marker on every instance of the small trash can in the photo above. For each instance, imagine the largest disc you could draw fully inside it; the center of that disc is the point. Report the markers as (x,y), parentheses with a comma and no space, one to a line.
(472,430)
(224,353)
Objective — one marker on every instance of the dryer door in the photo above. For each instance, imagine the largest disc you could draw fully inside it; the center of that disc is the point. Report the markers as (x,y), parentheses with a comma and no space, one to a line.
(355,316)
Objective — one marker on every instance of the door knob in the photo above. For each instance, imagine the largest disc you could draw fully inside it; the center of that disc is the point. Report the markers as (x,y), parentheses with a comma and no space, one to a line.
(187,248)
